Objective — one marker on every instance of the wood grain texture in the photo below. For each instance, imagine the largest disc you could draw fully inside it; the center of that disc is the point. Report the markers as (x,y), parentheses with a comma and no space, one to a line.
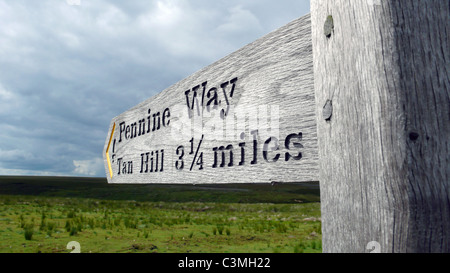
(384,153)
(274,87)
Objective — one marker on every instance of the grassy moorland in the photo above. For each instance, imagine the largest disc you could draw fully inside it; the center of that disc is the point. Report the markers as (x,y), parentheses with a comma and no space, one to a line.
(43,214)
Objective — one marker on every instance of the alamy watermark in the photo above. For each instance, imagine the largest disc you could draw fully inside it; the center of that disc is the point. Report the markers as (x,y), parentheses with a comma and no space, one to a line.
(74,246)
(229,124)
(374,247)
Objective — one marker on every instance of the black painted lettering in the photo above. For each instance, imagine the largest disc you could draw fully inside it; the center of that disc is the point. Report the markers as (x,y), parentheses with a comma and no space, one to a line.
(156,118)
(141,127)
(290,139)
(230,148)
(213,98)
(133,130)
(162,161)
(166,117)
(119,163)
(144,162)
(255,147)
(156,161)
(266,148)
(127,132)
(233,82)
(179,164)
(124,167)
(138,128)
(224,86)
(151,162)
(214,165)
(192,146)
(222,150)
(149,120)
(194,89)
(203,92)
(222,163)
(189,105)
(130,167)
(199,161)
(242,145)
(122,130)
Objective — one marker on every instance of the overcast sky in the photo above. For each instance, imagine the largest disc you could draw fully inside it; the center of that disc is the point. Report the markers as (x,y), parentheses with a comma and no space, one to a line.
(67,67)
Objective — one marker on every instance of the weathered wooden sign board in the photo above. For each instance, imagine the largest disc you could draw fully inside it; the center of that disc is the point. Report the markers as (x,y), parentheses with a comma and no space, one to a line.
(248,118)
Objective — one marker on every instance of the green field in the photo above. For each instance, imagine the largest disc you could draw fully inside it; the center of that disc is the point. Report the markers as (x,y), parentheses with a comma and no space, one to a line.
(43,214)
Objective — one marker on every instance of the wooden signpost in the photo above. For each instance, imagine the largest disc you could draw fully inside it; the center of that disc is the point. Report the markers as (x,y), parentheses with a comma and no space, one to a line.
(355,95)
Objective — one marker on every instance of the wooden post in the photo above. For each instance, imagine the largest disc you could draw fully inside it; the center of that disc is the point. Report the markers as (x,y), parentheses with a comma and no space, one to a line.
(381,73)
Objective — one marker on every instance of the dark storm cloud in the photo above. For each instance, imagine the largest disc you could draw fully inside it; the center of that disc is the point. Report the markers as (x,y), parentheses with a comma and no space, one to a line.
(67,70)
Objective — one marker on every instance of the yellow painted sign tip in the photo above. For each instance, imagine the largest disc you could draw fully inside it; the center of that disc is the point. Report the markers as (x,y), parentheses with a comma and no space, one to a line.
(107,151)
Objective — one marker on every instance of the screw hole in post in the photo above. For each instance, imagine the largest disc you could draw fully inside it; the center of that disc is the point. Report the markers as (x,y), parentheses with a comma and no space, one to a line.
(413,136)
(327,111)
(374,247)
(328,28)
